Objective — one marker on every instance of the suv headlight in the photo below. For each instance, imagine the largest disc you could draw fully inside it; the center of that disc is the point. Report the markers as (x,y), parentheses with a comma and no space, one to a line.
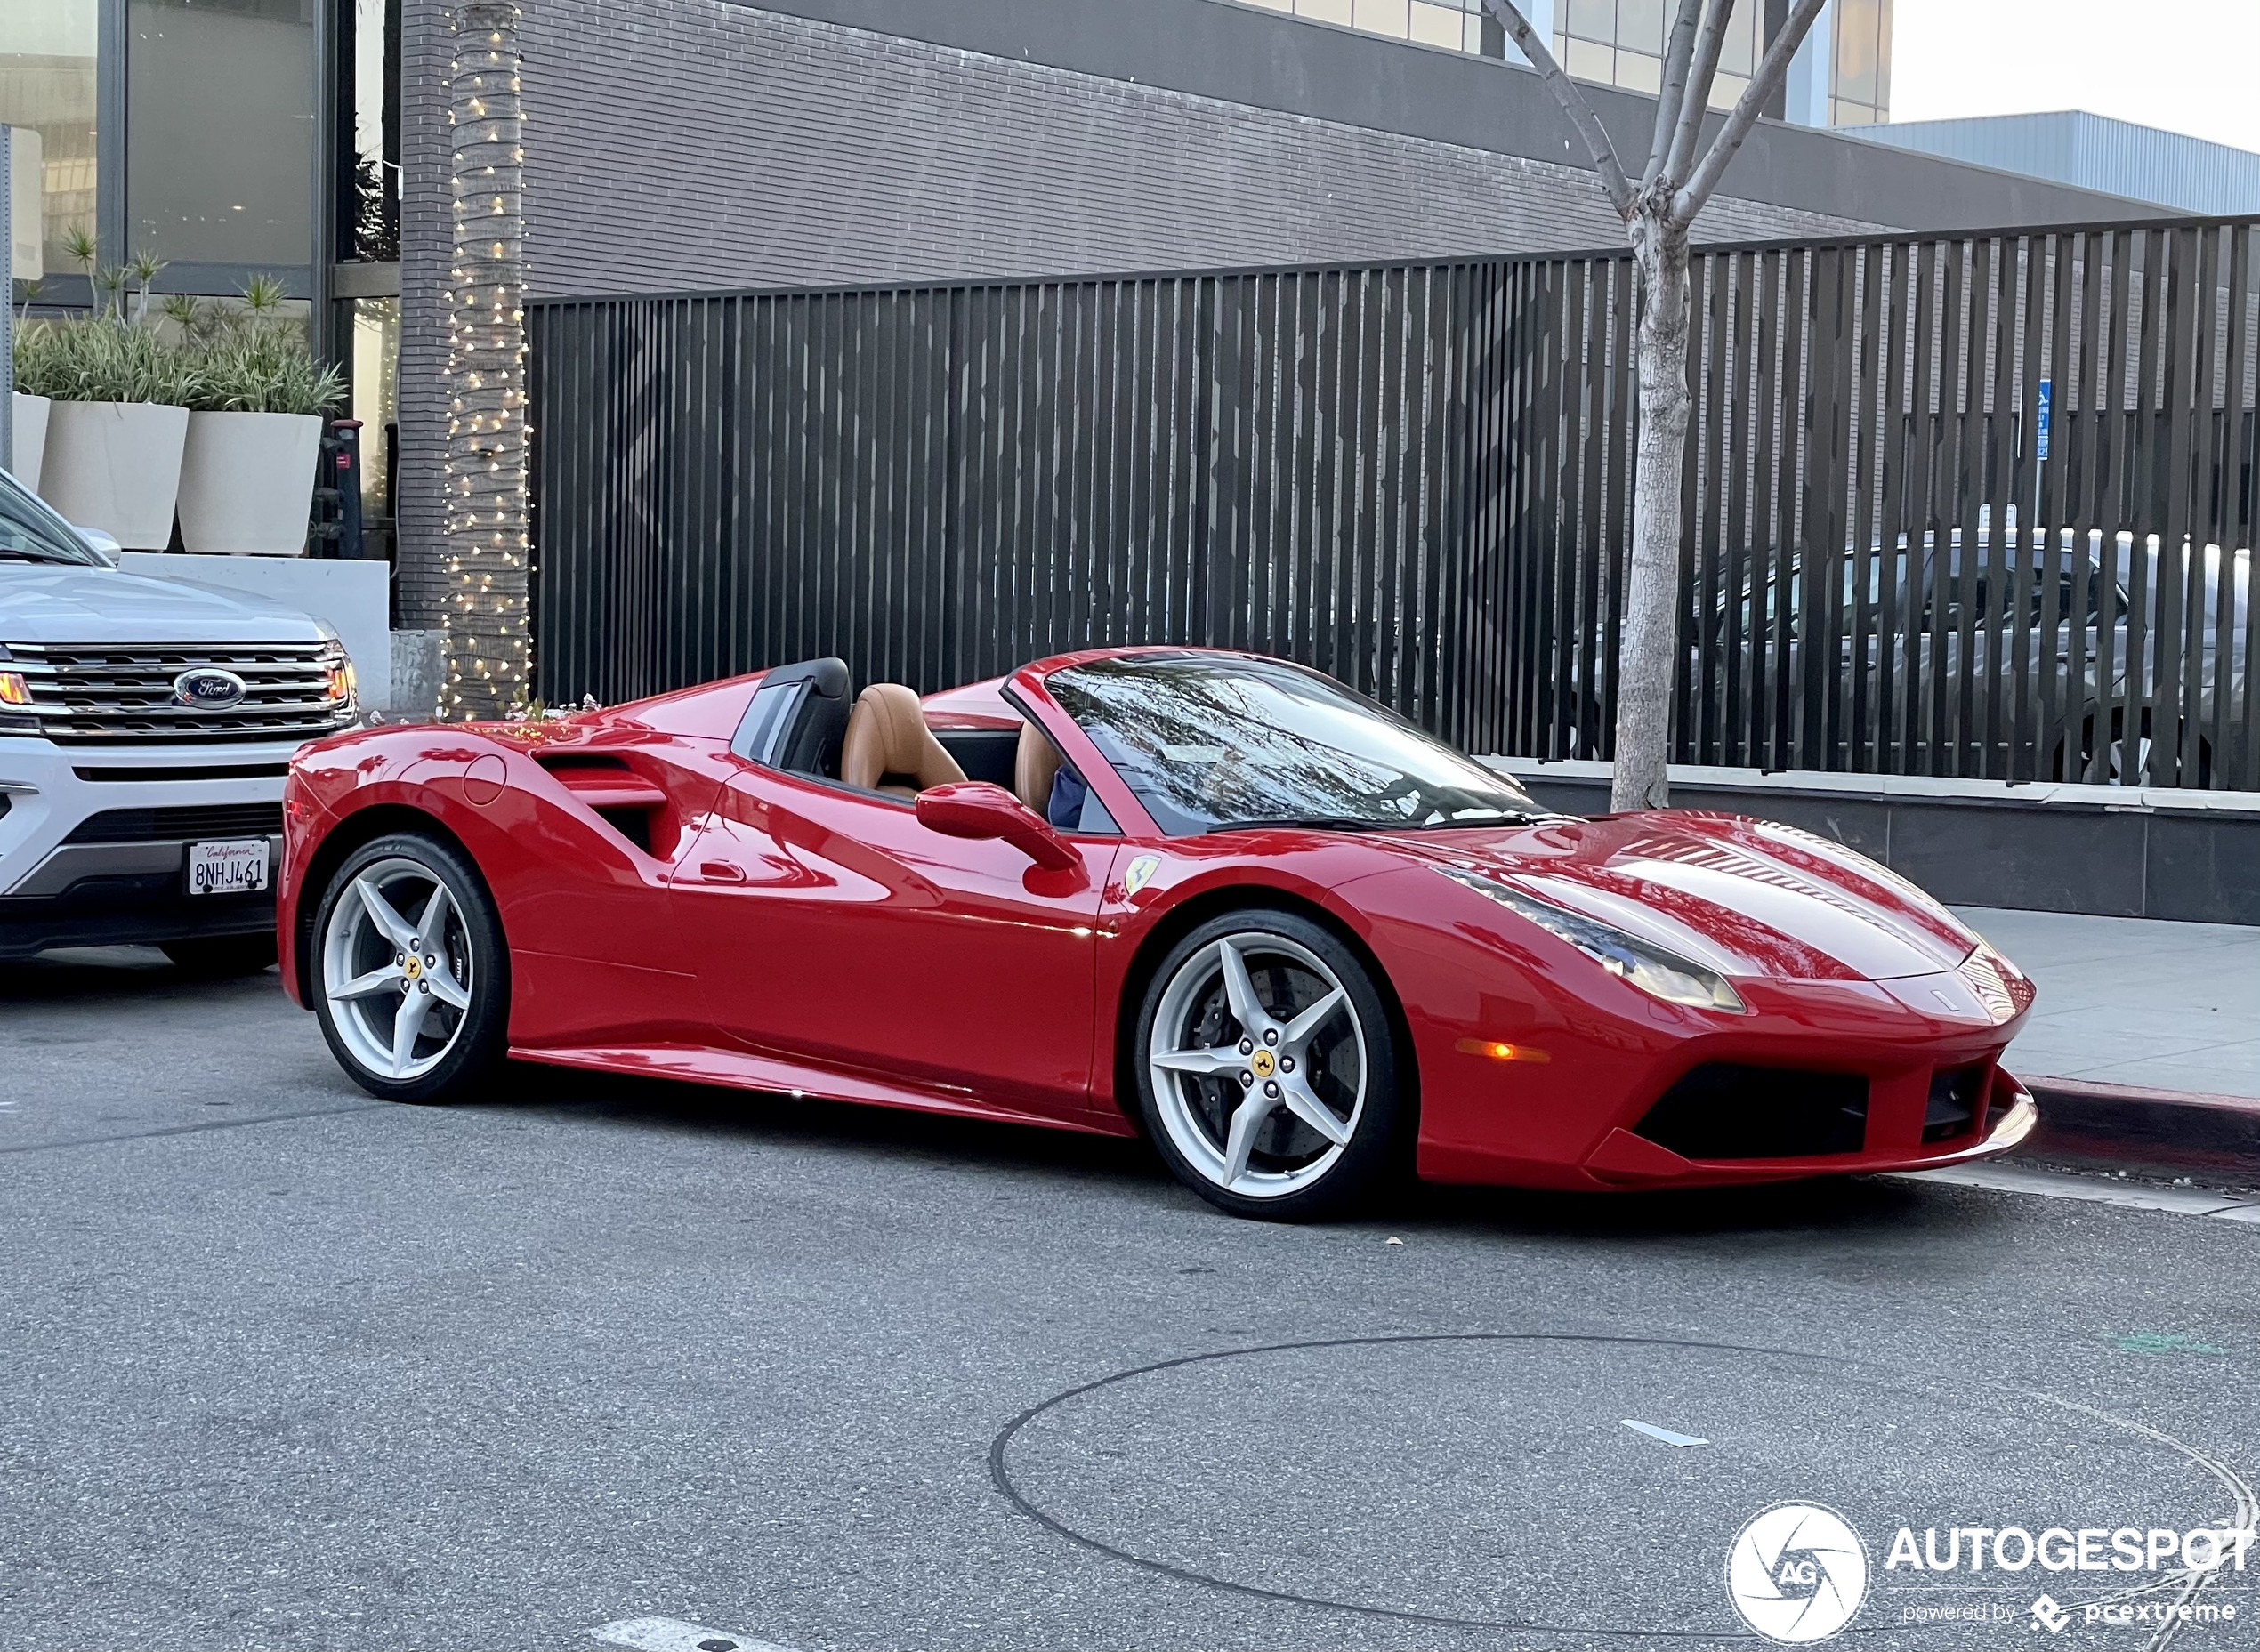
(339,680)
(1658,973)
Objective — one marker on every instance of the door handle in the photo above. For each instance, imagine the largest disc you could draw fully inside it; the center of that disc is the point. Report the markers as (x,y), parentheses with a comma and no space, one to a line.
(722,872)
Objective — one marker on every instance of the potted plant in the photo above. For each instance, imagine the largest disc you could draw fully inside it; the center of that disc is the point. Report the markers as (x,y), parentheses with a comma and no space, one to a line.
(31,411)
(115,431)
(255,432)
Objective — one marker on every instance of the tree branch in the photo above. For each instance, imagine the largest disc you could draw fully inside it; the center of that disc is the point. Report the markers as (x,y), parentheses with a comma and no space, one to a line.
(1762,85)
(1572,102)
(1673,98)
(1701,77)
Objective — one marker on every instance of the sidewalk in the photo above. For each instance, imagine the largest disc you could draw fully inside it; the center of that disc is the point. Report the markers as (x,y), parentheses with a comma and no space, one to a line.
(2134,1002)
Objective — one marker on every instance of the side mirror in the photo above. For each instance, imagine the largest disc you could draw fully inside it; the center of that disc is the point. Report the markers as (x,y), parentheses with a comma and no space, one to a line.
(102,544)
(974,808)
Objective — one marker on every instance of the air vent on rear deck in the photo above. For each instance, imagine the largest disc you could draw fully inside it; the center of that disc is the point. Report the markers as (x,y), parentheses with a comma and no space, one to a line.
(1724,1110)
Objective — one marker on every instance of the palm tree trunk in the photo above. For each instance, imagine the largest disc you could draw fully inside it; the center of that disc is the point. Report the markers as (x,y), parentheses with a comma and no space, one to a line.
(488,650)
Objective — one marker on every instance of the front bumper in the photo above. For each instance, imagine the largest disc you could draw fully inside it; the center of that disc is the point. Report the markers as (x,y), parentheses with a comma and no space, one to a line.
(124,883)
(1624,1160)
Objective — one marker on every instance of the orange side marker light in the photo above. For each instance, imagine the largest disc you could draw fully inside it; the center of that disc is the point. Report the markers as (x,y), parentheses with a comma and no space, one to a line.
(1499,1051)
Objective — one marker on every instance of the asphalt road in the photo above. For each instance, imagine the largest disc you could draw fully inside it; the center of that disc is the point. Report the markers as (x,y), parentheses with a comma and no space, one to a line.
(284,1366)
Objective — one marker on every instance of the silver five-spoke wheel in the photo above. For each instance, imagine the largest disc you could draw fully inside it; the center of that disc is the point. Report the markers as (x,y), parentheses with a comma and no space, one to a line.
(1259,1066)
(397,969)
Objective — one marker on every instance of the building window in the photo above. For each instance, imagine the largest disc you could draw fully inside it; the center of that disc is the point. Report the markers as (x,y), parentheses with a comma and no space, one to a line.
(220,134)
(369,133)
(1860,81)
(1456,25)
(1620,43)
(369,344)
(48,92)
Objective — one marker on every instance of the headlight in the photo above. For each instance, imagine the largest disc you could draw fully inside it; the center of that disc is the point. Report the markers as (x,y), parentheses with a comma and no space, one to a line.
(338,672)
(1658,973)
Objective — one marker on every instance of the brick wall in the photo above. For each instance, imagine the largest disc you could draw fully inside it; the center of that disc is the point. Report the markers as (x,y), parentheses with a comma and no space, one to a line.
(689,144)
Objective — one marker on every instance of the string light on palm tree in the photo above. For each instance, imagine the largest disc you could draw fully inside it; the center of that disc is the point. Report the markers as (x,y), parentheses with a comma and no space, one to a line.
(487,521)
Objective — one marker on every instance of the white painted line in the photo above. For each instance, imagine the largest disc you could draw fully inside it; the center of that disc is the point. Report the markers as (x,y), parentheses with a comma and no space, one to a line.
(672,1634)
(1665,1435)
(2094,1190)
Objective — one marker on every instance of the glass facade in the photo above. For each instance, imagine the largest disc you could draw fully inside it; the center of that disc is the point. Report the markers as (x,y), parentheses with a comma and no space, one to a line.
(370,340)
(220,131)
(1859,83)
(49,87)
(230,139)
(367,188)
(1620,43)
(1459,25)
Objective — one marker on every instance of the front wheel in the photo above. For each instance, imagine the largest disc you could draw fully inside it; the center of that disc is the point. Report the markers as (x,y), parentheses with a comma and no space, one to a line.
(1267,1070)
(412,978)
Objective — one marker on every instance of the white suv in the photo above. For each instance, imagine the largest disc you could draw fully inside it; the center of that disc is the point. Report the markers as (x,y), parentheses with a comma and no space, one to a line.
(145,728)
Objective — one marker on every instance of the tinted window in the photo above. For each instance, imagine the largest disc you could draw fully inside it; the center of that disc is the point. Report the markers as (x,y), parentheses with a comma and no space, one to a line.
(1208,741)
(29,529)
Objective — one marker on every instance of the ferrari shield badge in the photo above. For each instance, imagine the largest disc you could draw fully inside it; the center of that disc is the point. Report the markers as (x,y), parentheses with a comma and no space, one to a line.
(1138,873)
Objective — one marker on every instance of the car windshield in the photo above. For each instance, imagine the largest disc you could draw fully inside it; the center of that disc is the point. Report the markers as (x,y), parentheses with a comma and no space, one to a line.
(30,533)
(1209,743)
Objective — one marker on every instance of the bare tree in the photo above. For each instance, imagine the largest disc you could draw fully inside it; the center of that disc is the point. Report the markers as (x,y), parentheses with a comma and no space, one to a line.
(1660,210)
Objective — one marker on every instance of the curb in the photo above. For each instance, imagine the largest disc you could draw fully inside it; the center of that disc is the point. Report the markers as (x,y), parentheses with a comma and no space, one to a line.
(2160,1132)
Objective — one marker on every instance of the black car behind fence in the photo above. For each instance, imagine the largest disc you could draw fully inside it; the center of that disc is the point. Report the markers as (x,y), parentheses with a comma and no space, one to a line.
(1974,506)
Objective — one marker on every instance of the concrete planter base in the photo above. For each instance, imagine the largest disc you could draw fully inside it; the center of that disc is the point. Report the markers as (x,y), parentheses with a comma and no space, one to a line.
(32,438)
(247,483)
(116,465)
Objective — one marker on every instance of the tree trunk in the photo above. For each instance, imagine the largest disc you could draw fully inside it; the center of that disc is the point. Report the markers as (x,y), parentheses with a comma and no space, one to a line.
(486,523)
(1649,644)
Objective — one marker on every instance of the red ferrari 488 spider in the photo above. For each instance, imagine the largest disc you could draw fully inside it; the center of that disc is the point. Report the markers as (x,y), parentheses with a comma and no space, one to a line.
(1211,896)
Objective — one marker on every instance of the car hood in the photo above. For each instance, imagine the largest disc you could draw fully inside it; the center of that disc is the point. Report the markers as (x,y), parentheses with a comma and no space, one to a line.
(1741,897)
(41,602)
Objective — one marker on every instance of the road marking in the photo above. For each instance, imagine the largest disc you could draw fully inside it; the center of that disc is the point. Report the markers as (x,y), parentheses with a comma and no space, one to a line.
(1665,1435)
(672,1634)
(2095,1190)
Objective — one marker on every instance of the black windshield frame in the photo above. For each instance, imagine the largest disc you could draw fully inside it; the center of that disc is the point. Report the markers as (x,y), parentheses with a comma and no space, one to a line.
(1203,741)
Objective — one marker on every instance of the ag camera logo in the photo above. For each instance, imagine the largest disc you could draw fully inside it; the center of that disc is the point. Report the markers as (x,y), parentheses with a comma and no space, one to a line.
(1797,1573)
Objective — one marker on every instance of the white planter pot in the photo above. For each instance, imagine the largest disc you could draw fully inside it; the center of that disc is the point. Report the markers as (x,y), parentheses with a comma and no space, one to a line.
(32,438)
(116,465)
(247,482)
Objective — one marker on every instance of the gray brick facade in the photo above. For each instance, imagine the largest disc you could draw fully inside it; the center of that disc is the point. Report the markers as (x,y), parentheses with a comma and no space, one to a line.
(688,144)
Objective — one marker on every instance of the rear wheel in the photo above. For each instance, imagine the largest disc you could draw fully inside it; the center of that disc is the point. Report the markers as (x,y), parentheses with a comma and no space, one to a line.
(411,977)
(1266,1068)
(213,957)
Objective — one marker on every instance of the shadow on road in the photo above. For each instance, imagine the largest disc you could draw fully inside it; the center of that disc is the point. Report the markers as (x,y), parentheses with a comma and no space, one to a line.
(90,974)
(89,978)
(1842,1206)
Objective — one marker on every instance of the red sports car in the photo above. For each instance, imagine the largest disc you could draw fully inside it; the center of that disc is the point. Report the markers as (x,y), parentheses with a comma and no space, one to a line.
(1213,897)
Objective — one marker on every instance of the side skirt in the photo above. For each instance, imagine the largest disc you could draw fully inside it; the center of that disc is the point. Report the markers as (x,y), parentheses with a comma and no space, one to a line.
(740,1070)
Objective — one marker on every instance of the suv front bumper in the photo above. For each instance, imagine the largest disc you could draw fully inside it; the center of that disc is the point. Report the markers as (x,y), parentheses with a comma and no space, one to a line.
(69,879)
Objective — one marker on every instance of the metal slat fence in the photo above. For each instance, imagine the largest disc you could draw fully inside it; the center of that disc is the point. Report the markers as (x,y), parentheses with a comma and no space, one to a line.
(1417,478)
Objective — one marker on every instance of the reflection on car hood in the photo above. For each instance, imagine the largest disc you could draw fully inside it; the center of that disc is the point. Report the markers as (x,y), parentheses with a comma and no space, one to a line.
(1743,896)
(47,602)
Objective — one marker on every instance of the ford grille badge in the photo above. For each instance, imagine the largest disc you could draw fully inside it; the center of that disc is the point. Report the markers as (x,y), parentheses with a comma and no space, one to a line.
(207,689)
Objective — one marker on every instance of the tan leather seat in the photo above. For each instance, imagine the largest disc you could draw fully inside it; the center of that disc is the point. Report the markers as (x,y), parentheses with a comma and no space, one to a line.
(1034,764)
(888,740)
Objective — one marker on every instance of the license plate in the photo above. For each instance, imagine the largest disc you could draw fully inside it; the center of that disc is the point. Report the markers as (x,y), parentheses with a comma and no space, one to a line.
(237,867)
